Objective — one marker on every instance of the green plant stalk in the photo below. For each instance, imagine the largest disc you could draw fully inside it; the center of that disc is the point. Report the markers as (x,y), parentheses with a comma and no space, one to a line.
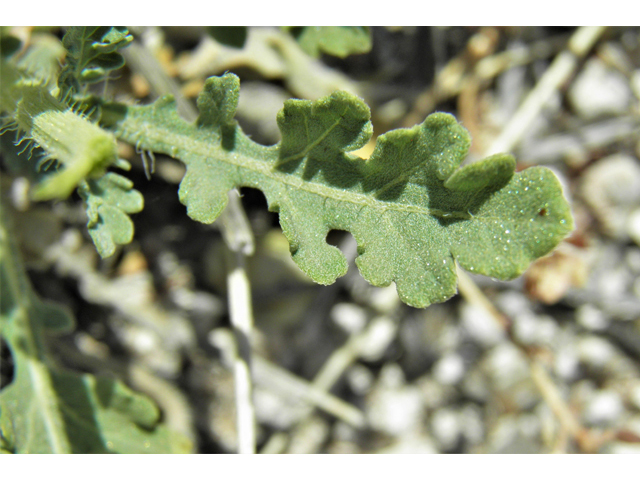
(26,339)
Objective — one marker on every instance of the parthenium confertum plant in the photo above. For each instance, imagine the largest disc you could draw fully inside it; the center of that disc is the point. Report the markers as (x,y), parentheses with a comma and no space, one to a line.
(412,209)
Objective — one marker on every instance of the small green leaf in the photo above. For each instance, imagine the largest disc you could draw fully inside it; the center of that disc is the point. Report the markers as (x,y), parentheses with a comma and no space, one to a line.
(109,199)
(95,415)
(48,410)
(411,208)
(338,41)
(218,101)
(9,45)
(92,52)
(229,36)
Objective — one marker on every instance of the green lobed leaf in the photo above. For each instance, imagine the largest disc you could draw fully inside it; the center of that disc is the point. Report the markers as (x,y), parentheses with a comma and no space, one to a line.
(337,41)
(230,36)
(94,415)
(411,208)
(48,410)
(109,199)
(8,44)
(91,53)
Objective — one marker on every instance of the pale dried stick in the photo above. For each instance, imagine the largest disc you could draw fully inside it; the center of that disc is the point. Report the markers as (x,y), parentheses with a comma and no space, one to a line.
(241,315)
(275,377)
(558,73)
(451,79)
(547,388)
(238,236)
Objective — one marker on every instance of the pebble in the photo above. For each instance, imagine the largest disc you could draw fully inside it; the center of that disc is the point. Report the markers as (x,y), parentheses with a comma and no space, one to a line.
(614,283)
(525,328)
(632,260)
(591,318)
(360,379)
(508,371)
(393,407)
(611,187)
(475,385)
(633,226)
(275,410)
(506,365)
(309,437)
(351,318)
(412,443)
(515,434)
(375,341)
(513,303)
(395,412)
(478,324)
(635,83)
(434,394)
(446,428)
(603,409)
(599,90)
(567,364)
(449,370)
(595,351)
(473,429)
(634,396)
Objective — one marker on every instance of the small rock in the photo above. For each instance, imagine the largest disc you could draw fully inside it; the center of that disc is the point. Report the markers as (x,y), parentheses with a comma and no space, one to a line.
(567,364)
(446,428)
(513,434)
(473,429)
(434,394)
(360,379)
(635,83)
(634,396)
(508,371)
(480,325)
(449,370)
(276,410)
(621,448)
(633,226)
(351,318)
(632,260)
(513,303)
(591,318)
(599,90)
(412,443)
(475,385)
(309,437)
(376,339)
(506,365)
(611,187)
(392,407)
(595,351)
(613,283)
(524,328)
(603,409)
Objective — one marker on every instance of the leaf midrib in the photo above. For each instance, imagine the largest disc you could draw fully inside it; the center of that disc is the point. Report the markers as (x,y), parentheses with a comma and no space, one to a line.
(162,134)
